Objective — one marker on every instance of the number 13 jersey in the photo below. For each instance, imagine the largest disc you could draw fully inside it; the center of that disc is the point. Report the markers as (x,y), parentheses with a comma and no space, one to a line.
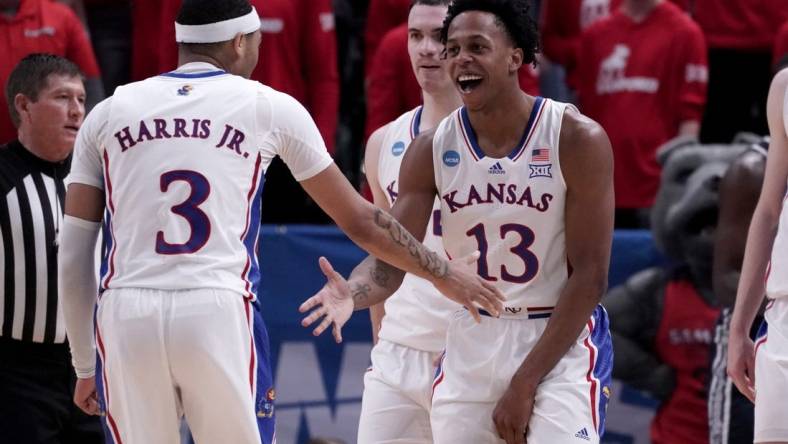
(181,158)
(510,209)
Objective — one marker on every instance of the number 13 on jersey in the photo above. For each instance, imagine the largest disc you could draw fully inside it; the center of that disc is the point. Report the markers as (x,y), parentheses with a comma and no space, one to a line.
(529,259)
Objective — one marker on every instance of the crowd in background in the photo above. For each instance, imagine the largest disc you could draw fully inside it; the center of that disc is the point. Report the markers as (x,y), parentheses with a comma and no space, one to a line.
(647,70)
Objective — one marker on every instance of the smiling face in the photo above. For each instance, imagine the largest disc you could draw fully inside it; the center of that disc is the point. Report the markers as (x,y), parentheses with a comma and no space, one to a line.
(425,47)
(52,121)
(483,62)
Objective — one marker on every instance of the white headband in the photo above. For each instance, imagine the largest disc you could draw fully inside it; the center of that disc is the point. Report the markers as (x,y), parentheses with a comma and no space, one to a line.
(219,31)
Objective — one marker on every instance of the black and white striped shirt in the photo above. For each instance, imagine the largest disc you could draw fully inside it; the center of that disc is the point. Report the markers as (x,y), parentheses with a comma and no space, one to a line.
(31,211)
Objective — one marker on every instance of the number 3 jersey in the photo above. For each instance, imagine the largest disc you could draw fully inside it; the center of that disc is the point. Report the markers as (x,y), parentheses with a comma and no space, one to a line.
(181,158)
(510,209)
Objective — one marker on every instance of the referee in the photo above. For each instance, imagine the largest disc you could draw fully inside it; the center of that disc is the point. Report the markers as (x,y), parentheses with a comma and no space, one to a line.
(45,96)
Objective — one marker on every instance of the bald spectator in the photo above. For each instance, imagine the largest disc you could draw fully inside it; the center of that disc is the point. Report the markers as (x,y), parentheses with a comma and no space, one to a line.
(42,26)
(740,36)
(642,76)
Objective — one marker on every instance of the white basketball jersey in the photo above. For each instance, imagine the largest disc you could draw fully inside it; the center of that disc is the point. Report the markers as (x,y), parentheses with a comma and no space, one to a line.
(510,209)
(777,274)
(182,159)
(417,315)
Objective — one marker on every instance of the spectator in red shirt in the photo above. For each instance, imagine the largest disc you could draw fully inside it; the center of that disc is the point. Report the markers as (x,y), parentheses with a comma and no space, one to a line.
(41,26)
(392,88)
(642,75)
(382,17)
(740,36)
(562,23)
(780,57)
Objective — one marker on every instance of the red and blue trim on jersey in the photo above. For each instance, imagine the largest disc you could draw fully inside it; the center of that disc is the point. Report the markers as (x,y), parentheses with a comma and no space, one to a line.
(264,393)
(472,142)
(600,366)
(111,432)
(439,373)
(107,269)
(193,75)
(415,123)
(532,312)
(250,236)
(763,331)
(539,312)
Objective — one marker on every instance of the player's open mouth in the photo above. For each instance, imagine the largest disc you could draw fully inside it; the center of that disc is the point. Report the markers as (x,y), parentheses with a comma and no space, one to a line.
(468,82)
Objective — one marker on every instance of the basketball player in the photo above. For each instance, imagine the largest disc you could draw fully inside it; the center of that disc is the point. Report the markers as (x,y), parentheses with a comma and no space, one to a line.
(179,160)
(731,414)
(760,369)
(528,183)
(398,387)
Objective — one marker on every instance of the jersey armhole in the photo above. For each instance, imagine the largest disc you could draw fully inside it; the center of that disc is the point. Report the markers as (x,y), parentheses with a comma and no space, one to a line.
(558,169)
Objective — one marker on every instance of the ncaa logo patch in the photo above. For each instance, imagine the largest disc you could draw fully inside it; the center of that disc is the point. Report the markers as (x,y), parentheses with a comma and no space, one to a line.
(185,90)
(451,158)
(398,148)
(540,170)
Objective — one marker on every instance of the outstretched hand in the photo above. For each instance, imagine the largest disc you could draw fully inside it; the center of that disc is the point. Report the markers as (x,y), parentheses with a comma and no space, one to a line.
(463,285)
(333,303)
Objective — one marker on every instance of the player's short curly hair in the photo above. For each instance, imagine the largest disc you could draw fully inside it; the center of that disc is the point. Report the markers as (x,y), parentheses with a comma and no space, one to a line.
(514,16)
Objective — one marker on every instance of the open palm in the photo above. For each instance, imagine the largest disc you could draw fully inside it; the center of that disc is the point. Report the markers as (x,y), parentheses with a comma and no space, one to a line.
(333,303)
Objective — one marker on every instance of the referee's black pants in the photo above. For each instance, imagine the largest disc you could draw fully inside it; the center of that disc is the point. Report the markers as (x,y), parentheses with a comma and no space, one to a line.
(36,392)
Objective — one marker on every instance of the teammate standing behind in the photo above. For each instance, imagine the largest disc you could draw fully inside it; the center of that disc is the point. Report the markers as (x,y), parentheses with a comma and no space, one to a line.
(398,388)
(760,369)
(179,160)
(527,182)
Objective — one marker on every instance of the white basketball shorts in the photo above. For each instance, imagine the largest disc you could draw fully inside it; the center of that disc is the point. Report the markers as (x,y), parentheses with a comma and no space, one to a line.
(480,361)
(164,354)
(771,374)
(395,407)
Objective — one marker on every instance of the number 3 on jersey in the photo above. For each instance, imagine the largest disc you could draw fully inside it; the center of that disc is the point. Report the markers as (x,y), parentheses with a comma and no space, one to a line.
(520,250)
(189,209)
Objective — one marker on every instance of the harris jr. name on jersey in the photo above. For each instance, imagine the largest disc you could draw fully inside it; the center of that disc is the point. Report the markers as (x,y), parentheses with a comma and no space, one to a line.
(177,128)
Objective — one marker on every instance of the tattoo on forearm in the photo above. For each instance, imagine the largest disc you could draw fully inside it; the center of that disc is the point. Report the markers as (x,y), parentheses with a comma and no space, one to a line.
(380,274)
(428,260)
(360,293)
